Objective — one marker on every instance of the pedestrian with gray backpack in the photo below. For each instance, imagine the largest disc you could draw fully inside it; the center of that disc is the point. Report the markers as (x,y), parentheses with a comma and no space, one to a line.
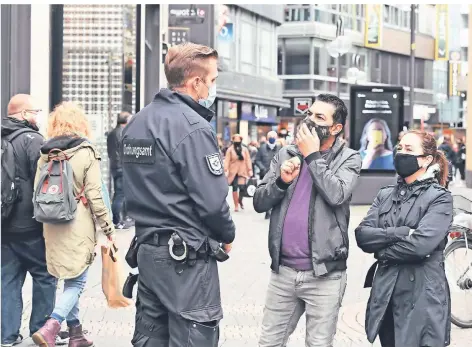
(71,200)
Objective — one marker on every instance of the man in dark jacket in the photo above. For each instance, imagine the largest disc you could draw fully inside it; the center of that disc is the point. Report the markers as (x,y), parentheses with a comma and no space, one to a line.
(264,157)
(460,158)
(23,248)
(176,190)
(308,188)
(116,170)
(446,147)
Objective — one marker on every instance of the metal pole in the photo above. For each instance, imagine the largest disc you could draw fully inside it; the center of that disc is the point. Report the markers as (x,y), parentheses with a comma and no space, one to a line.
(412,59)
(338,74)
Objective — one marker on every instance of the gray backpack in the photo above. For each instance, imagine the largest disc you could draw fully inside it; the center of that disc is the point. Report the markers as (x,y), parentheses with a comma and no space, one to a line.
(54,200)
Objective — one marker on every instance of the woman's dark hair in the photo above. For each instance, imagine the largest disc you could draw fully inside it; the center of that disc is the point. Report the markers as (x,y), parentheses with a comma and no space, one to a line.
(430,147)
(388,141)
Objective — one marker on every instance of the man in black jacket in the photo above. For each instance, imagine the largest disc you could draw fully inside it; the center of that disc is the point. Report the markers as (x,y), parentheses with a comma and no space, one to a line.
(176,192)
(116,170)
(23,248)
(264,157)
(446,147)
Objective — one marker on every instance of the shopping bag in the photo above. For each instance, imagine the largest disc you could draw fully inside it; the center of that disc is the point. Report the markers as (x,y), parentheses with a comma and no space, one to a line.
(249,189)
(112,279)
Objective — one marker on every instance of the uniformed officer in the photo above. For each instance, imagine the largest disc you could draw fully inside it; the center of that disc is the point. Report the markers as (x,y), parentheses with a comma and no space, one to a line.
(176,192)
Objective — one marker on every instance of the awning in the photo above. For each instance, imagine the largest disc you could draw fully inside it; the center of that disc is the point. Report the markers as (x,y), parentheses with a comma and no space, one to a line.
(255,99)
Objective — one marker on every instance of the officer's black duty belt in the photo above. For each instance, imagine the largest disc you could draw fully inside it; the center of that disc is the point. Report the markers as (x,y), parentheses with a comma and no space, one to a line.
(162,239)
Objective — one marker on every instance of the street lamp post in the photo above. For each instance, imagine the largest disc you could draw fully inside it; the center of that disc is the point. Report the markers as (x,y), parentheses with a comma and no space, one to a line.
(337,48)
(412,56)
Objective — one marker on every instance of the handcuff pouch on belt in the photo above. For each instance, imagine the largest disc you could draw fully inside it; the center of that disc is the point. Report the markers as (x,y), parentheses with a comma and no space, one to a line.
(217,251)
(132,254)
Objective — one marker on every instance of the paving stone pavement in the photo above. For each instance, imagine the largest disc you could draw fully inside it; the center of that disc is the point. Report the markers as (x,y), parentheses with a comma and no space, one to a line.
(244,280)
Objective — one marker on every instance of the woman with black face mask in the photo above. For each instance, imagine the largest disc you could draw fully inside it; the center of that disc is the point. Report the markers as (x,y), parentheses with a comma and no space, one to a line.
(406,229)
(238,169)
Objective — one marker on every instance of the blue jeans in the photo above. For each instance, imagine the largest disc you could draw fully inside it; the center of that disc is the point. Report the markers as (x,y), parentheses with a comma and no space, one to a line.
(18,258)
(67,306)
(118,197)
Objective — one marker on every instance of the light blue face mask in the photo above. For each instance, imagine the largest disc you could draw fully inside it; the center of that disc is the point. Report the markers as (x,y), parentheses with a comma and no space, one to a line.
(211,97)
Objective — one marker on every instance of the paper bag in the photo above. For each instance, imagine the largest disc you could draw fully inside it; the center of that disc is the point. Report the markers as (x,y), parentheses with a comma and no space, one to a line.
(112,279)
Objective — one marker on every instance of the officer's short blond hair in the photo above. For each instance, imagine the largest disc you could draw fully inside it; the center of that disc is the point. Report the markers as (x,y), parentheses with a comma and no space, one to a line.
(185,61)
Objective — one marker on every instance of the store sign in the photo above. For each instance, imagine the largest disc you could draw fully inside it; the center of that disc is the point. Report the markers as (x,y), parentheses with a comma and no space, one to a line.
(454,74)
(301,106)
(442,32)
(190,23)
(226,33)
(373,25)
(258,113)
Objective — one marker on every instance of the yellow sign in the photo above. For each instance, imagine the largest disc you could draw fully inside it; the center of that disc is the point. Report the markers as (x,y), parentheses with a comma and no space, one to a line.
(373,25)
(441,45)
(454,74)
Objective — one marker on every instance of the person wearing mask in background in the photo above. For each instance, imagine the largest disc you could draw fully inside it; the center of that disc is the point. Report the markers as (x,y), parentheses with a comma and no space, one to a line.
(446,148)
(70,247)
(406,229)
(460,158)
(116,170)
(309,188)
(238,169)
(265,155)
(177,193)
(219,139)
(23,248)
(253,150)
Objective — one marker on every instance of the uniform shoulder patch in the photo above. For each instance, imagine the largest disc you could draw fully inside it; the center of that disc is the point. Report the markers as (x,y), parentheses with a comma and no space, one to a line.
(215,164)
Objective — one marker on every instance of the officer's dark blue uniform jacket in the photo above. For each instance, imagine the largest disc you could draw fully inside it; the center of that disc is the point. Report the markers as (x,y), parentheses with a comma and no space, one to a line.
(173,172)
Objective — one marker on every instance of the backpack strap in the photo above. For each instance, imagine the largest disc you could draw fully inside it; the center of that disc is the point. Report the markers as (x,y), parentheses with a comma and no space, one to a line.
(81,196)
(16,133)
(57,155)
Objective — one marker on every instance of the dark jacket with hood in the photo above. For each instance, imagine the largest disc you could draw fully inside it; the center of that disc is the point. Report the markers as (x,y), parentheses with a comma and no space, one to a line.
(334,180)
(406,228)
(26,149)
(113,149)
(264,157)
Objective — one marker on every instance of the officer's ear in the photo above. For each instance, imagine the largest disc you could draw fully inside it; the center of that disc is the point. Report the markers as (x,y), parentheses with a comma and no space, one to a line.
(196,83)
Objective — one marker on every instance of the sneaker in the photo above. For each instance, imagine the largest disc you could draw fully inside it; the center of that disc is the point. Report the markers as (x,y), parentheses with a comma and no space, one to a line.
(129,222)
(19,340)
(120,226)
(62,338)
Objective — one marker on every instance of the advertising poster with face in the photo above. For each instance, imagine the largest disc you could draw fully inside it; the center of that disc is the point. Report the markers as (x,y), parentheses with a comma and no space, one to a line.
(376,119)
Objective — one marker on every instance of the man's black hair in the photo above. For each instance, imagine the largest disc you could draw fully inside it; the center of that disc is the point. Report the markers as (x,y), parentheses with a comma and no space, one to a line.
(340,109)
(123,118)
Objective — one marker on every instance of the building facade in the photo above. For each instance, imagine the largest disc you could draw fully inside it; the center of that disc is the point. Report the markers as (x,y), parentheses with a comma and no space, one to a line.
(249,93)
(307,69)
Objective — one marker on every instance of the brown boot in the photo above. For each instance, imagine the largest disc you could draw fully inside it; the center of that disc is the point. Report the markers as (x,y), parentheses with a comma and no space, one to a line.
(77,337)
(46,336)
(236,201)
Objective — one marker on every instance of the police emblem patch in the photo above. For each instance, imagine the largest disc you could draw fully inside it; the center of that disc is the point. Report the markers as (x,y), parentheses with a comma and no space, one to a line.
(214,164)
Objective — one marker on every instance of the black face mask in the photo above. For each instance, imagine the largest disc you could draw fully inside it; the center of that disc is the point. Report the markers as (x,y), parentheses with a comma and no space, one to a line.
(237,144)
(407,164)
(322,131)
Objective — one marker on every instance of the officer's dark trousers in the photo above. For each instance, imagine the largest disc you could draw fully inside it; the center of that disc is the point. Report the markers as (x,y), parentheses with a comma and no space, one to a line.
(176,310)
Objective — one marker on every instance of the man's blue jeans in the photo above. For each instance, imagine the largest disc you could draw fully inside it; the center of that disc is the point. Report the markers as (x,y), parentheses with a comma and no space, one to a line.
(18,258)
(67,306)
(118,197)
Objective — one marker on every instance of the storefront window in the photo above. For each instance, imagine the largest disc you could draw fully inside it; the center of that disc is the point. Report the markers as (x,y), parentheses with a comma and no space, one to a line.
(248,48)
(297,56)
(99,65)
